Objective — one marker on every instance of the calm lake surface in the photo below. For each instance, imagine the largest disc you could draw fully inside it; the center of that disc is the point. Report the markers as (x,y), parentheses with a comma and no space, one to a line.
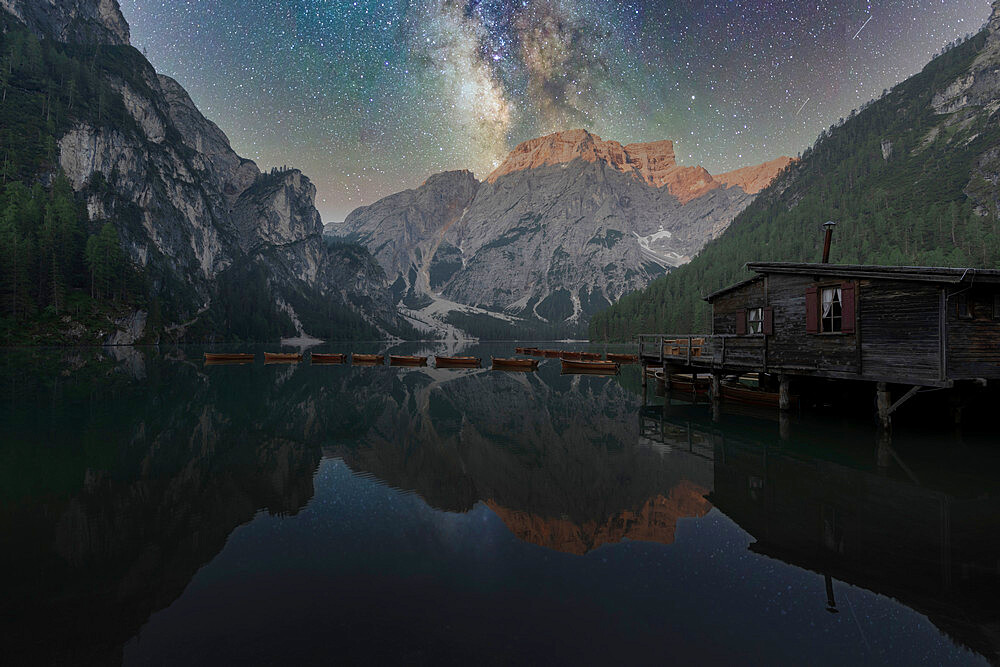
(154,510)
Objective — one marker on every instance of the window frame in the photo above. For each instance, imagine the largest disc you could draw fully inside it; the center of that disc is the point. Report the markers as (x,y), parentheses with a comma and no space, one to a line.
(836,320)
(755,327)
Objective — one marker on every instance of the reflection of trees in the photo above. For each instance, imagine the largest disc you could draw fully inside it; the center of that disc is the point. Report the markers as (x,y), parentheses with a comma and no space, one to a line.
(151,478)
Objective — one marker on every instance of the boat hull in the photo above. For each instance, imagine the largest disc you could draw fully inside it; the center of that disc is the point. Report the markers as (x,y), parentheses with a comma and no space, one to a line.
(367,359)
(281,358)
(228,358)
(602,367)
(327,358)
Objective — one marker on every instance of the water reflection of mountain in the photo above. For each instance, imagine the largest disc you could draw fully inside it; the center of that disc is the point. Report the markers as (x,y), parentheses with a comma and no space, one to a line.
(916,520)
(558,458)
(116,492)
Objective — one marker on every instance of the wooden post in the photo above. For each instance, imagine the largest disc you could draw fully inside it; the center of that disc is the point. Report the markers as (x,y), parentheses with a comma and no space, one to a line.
(666,378)
(716,386)
(784,394)
(694,386)
(883,401)
(784,426)
(644,367)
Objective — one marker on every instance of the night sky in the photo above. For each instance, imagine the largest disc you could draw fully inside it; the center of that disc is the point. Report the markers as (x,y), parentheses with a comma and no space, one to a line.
(369,98)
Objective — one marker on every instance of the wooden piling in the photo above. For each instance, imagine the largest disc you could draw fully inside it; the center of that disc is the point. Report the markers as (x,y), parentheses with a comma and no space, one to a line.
(784,393)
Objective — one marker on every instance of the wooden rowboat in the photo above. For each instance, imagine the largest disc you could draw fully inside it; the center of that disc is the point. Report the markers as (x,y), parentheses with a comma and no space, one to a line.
(534,352)
(318,358)
(521,350)
(572,356)
(282,357)
(226,357)
(551,354)
(367,359)
(608,367)
(590,356)
(457,362)
(515,364)
(684,383)
(622,358)
(404,360)
(750,396)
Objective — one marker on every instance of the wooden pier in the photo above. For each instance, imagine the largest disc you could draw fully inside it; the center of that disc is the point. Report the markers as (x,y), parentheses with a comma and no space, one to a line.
(899,330)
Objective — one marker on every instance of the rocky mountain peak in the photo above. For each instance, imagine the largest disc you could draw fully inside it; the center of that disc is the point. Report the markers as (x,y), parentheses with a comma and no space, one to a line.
(755,178)
(77,21)
(654,163)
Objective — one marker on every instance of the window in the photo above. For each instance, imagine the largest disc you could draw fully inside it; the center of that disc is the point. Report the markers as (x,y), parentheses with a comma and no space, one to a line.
(755,320)
(962,306)
(831,316)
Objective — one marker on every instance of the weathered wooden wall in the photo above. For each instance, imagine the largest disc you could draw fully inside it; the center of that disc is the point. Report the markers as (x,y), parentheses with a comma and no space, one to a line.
(900,337)
(974,343)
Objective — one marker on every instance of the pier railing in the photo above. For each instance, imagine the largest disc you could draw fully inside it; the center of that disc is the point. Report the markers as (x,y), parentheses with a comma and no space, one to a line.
(702,350)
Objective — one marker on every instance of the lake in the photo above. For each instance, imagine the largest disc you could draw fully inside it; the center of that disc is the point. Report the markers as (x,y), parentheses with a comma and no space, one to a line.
(159,511)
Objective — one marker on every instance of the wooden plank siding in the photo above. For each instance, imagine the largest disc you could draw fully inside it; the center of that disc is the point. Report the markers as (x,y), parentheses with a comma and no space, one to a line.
(974,343)
(926,326)
(899,330)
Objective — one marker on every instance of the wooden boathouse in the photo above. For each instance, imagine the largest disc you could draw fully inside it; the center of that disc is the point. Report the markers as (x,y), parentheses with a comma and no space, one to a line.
(900,329)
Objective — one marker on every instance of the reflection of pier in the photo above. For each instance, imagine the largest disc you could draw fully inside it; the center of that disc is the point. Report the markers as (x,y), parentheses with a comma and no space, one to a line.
(918,524)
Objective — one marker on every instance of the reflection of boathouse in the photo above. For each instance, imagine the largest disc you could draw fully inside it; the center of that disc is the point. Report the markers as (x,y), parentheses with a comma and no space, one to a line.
(926,533)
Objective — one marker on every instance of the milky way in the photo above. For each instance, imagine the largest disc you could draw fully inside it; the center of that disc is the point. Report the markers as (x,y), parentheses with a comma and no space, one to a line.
(369,98)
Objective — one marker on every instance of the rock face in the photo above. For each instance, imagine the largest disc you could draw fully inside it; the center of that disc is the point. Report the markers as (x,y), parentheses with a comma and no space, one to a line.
(566,225)
(971,105)
(194,214)
(81,21)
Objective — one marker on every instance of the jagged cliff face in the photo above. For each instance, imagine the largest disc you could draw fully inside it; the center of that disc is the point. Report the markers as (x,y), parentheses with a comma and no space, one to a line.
(974,100)
(80,21)
(567,224)
(190,210)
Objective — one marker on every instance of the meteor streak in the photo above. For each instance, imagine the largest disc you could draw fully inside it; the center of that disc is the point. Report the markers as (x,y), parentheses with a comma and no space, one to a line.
(862,27)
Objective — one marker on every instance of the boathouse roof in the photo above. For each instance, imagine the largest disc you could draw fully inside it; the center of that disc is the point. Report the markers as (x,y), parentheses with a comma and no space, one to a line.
(931,274)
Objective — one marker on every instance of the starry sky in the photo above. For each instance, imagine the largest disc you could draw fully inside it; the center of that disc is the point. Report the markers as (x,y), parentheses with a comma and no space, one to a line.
(370,97)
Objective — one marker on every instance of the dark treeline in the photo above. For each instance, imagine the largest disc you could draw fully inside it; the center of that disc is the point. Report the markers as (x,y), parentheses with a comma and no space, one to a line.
(894,175)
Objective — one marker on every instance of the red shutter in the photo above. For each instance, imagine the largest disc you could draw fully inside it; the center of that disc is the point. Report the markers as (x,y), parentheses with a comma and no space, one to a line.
(741,323)
(769,321)
(848,300)
(812,311)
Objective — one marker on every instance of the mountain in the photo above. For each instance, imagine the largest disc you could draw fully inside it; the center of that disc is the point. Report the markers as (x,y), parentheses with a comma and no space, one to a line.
(912,178)
(565,226)
(201,244)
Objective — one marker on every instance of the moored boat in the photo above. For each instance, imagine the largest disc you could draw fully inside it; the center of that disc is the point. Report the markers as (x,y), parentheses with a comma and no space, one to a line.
(282,357)
(514,364)
(603,367)
(684,383)
(228,357)
(406,360)
(590,356)
(622,358)
(534,352)
(367,359)
(751,396)
(457,362)
(551,354)
(318,358)
(572,356)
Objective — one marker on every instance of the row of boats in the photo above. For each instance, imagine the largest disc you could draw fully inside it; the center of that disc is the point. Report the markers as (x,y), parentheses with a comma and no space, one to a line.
(742,389)
(569,355)
(496,363)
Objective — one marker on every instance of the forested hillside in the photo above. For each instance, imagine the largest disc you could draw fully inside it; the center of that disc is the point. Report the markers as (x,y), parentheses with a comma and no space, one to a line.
(52,259)
(905,184)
